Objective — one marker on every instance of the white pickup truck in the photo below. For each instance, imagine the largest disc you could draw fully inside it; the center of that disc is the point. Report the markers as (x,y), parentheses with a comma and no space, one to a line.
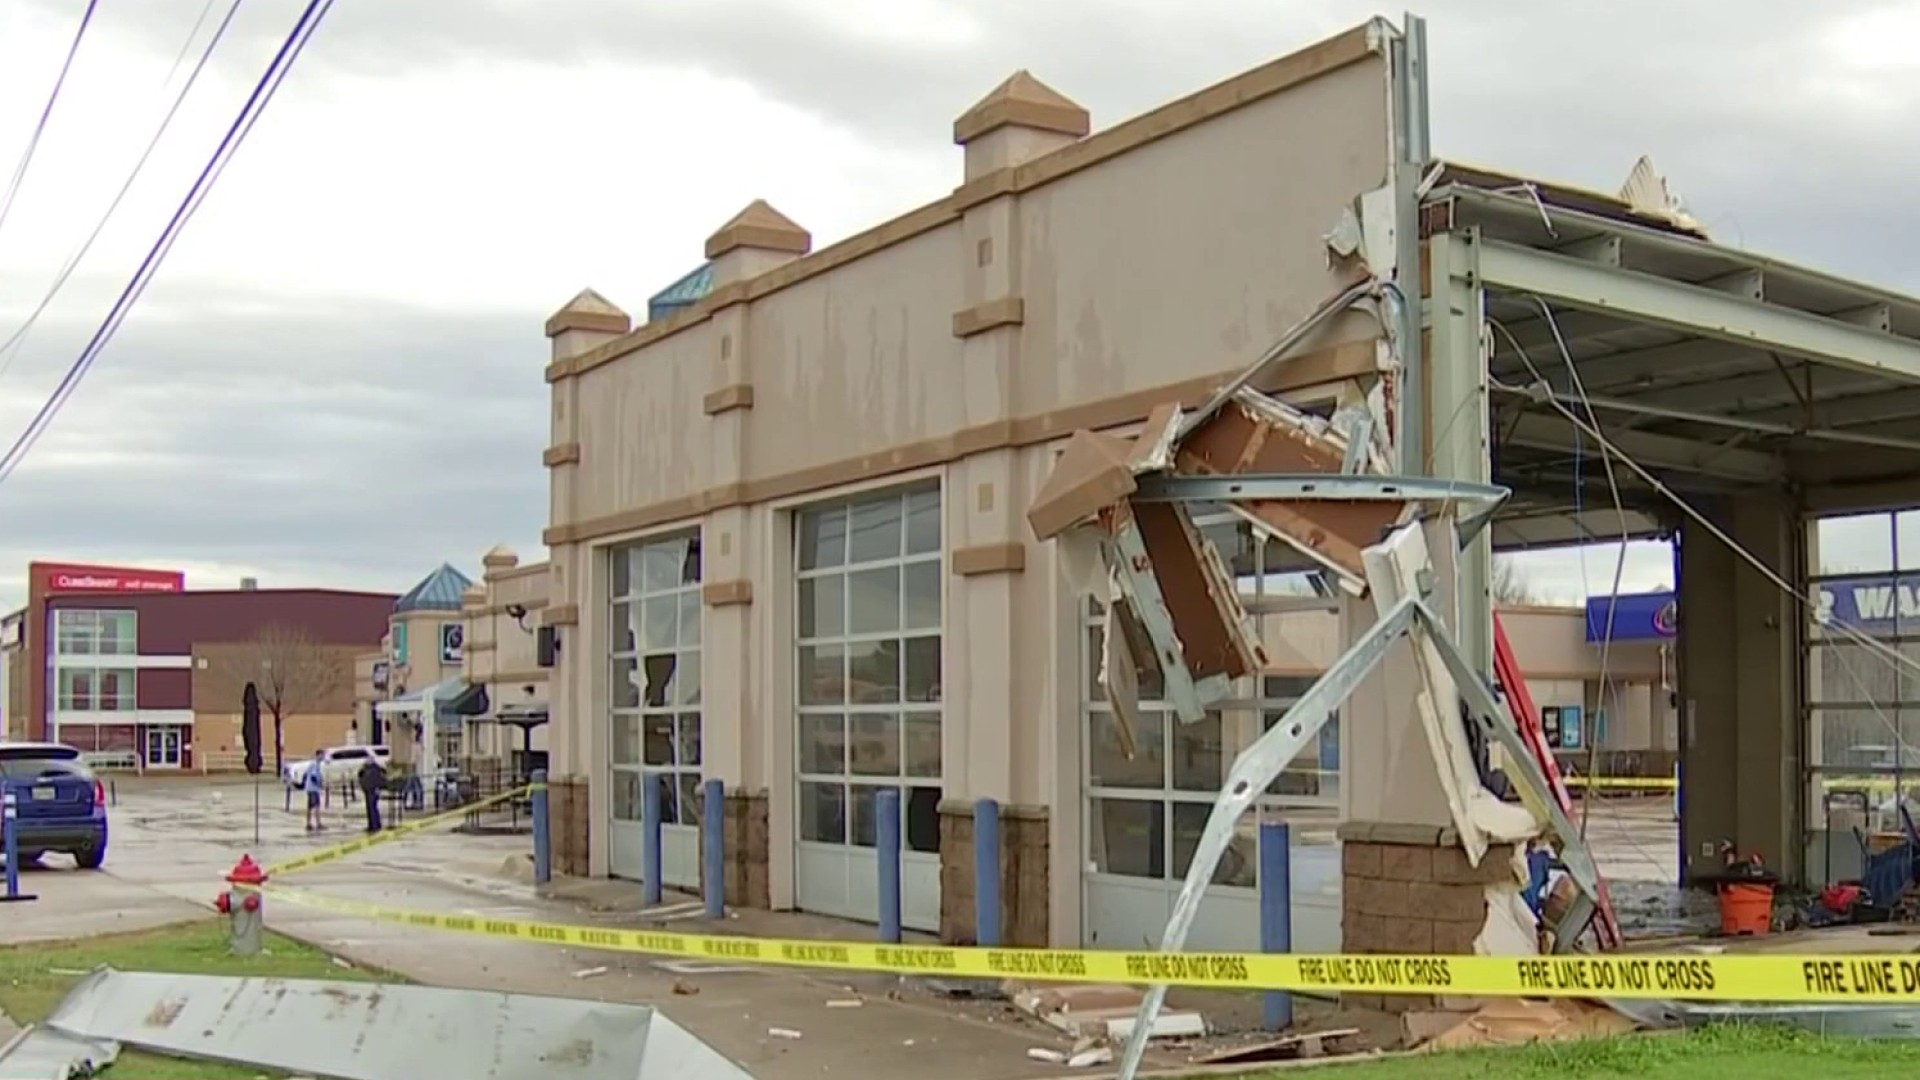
(338,764)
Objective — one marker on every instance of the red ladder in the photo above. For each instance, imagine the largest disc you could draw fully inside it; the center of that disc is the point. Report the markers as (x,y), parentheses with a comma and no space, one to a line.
(1527,718)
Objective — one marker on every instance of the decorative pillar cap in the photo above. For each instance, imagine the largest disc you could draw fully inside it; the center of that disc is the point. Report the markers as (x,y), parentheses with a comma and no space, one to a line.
(1022,101)
(589,311)
(762,227)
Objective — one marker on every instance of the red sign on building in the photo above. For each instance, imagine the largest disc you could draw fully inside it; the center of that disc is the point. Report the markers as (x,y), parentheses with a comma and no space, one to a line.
(55,578)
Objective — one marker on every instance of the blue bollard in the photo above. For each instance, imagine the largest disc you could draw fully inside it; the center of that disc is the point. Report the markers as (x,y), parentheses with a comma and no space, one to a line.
(1276,913)
(986,873)
(713,846)
(10,844)
(542,842)
(650,836)
(886,811)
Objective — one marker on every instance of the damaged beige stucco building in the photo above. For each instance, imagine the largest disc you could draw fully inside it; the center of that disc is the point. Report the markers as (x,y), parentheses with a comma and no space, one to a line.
(789,531)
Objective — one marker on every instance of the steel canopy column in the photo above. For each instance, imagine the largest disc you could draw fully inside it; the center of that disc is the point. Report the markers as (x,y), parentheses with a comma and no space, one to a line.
(1458,420)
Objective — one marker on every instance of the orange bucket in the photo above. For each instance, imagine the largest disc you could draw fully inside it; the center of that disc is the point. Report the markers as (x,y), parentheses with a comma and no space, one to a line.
(1746,908)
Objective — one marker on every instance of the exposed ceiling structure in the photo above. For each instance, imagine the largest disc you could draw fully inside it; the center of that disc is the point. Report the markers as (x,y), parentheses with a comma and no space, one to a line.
(1660,325)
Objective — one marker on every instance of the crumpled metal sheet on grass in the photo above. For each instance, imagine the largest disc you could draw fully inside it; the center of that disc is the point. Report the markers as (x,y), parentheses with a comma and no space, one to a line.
(1847,1021)
(40,1053)
(373,1031)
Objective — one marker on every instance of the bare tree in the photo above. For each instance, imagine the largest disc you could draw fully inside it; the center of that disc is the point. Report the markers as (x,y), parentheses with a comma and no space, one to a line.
(292,672)
(1510,586)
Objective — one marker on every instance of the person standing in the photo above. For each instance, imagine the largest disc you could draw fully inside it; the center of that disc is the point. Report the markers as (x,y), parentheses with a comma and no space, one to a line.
(314,782)
(373,780)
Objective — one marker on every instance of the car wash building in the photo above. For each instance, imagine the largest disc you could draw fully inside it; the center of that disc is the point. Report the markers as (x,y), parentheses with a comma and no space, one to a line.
(788,519)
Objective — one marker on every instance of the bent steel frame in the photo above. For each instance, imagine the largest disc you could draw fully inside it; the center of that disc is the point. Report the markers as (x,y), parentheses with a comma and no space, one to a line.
(1261,763)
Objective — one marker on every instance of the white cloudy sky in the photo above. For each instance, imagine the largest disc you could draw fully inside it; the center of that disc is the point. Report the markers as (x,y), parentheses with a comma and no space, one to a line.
(336,377)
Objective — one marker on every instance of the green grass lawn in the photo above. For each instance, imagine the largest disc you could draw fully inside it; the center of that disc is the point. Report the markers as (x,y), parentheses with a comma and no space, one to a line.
(1722,1053)
(33,979)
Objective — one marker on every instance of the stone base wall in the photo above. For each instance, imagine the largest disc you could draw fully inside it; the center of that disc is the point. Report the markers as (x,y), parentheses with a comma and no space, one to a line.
(744,839)
(569,823)
(1409,890)
(1024,875)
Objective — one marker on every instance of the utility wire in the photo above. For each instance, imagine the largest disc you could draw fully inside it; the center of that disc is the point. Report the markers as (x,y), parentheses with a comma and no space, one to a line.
(46,114)
(10,348)
(263,91)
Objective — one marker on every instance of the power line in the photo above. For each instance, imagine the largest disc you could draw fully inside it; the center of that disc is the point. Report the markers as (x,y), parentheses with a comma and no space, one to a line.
(10,348)
(256,103)
(46,113)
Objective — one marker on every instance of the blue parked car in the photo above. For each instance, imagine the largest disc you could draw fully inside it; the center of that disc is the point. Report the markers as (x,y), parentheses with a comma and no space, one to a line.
(62,806)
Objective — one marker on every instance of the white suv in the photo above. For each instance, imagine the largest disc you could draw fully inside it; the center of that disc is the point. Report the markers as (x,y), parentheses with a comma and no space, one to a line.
(338,764)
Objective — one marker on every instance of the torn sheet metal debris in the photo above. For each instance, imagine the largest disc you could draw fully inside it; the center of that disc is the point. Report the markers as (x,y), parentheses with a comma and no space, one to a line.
(372,1031)
(40,1053)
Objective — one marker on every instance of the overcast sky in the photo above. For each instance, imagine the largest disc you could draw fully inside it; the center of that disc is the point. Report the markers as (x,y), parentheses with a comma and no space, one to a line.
(335,379)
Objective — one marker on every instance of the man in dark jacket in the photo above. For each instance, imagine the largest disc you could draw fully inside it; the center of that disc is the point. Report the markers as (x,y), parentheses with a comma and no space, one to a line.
(373,780)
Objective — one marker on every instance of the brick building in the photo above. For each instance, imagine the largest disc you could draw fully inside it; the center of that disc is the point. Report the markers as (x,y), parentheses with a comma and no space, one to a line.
(126,660)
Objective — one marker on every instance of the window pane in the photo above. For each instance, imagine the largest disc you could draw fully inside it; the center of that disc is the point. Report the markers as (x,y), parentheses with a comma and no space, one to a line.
(1308,775)
(1199,759)
(690,798)
(1241,860)
(864,823)
(658,671)
(689,739)
(1129,837)
(626,627)
(920,734)
(823,537)
(659,739)
(923,521)
(690,617)
(669,797)
(690,568)
(873,600)
(875,530)
(875,744)
(660,619)
(922,668)
(823,812)
(626,571)
(923,820)
(626,795)
(823,606)
(686,680)
(626,740)
(660,564)
(1109,765)
(873,672)
(823,744)
(1095,637)
(823,675)
(922,589)
(1856,544)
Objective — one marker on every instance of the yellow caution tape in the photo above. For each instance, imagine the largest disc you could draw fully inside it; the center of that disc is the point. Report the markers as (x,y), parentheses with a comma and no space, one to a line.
(1882,785)
(1867,978)
(1633,783)
(387,836)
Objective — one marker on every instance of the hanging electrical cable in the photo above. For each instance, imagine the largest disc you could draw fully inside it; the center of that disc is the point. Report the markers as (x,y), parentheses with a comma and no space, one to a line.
(10,348)
(263,92)
(46,114)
